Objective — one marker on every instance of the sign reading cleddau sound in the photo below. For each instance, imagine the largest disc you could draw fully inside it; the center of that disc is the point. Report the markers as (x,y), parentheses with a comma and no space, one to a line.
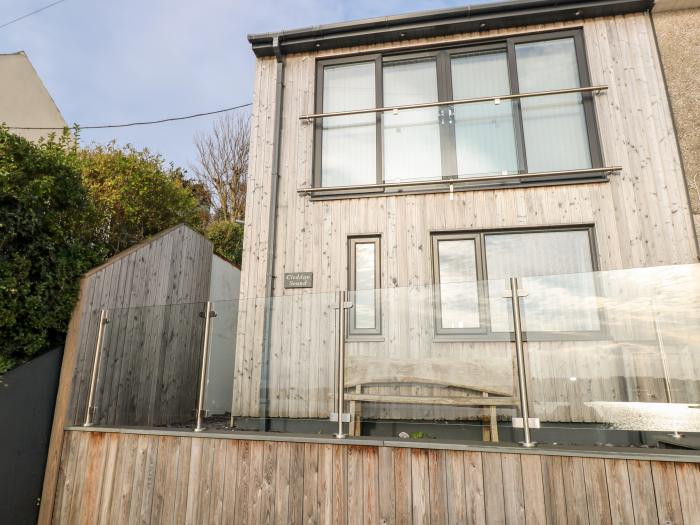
(299,280)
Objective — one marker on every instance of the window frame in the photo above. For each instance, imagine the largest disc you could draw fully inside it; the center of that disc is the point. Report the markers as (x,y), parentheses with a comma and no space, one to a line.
(584,80)
(318,123)
(353,241)
(437,303)
(484,297)
(443,55)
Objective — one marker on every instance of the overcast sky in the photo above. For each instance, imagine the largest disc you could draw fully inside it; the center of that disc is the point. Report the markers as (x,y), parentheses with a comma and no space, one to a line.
(128,60)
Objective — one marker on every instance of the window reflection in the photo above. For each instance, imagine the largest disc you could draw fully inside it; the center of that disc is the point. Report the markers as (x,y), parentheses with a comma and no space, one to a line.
(555,125)
(459,294)
(484,132)
(349,141)
(365,278)
(412,136)
(555,301)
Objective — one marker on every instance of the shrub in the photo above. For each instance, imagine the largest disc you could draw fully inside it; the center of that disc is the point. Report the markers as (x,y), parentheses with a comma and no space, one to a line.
(47,241)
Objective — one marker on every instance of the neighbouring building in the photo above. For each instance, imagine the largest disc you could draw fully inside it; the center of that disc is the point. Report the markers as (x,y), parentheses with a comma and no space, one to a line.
(24,100)
(677,27)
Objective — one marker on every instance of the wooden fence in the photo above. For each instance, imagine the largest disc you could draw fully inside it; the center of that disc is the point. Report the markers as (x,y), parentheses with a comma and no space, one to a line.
(129,478)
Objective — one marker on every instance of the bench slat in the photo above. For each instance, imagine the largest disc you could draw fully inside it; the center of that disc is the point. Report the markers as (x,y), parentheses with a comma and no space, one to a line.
(428,400)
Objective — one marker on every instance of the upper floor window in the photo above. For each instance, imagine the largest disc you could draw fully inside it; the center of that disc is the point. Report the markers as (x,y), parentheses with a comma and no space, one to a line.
(439,137)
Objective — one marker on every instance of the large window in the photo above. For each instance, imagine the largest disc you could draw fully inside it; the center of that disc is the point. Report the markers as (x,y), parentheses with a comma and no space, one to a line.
(349,140)
(554,266)
(364,285)
(456,140)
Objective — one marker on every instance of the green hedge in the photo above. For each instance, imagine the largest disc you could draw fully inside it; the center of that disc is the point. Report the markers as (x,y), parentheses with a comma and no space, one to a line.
(47,241)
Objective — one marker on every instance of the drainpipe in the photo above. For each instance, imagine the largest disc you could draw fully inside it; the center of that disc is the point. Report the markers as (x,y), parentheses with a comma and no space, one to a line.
(271,236)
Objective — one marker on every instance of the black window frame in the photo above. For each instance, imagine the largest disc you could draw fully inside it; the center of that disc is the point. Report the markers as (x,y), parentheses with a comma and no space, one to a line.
(443,54)
(484,293)
(353,241)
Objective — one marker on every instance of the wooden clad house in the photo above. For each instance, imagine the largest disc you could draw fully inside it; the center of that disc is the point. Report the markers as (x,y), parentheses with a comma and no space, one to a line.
(408,154)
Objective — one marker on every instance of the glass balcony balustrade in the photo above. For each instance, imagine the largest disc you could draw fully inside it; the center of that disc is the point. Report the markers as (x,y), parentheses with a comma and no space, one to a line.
(607,357)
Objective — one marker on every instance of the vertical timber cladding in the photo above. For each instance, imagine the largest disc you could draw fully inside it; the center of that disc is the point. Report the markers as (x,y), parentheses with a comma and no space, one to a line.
(130,478)
(641,217)
(142,377)
(173,268)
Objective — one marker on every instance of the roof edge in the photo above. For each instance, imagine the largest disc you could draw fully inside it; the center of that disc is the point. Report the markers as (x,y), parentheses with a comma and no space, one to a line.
(481,17)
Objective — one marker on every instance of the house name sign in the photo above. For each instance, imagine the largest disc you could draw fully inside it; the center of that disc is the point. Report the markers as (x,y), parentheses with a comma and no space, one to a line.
(299,280)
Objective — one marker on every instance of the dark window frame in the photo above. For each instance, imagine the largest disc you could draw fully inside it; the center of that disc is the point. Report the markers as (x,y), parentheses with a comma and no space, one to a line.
(318,124)
(442,55)
(437,303)
(482,273)
(353,241)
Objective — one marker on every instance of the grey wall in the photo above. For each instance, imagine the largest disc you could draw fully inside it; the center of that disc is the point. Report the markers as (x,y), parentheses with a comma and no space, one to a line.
(27,398)
(677,26)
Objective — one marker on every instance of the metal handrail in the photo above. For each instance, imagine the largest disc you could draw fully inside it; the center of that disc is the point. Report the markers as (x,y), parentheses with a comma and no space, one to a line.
(466,180)
(342,318)
(495,100)
(514,293)
(201,412)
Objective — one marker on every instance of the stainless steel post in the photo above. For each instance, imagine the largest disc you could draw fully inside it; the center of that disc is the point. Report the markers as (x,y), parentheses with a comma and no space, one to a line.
(520,357)
(341,363)
(208,314)
(664,361)
(89,416)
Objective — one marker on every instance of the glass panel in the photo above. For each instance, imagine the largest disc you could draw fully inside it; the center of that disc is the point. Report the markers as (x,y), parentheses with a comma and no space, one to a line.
(284,381)
(150,366)
(484,132)
(459,292)
(555,125)
(635,382)
(365,282)
(350,141)
(416,385)
(220,367)
(411,137)
(532,254)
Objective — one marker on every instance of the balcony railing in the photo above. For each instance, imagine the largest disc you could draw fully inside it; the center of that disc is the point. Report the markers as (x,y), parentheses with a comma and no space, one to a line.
(455,145)
(599,357)
(475,100)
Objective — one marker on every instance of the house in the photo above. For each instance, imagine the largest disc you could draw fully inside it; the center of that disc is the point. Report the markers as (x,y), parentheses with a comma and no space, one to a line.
(24,100)
(469,293)
(412,153)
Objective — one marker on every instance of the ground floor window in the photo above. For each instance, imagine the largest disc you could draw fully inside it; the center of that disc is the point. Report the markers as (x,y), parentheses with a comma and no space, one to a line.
(555,266)
(364,283)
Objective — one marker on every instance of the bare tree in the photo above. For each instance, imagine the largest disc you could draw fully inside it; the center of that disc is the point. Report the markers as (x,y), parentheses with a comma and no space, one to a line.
(222,164)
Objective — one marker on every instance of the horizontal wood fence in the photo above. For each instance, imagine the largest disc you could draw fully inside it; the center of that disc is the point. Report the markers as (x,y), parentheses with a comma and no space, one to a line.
(129,478)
